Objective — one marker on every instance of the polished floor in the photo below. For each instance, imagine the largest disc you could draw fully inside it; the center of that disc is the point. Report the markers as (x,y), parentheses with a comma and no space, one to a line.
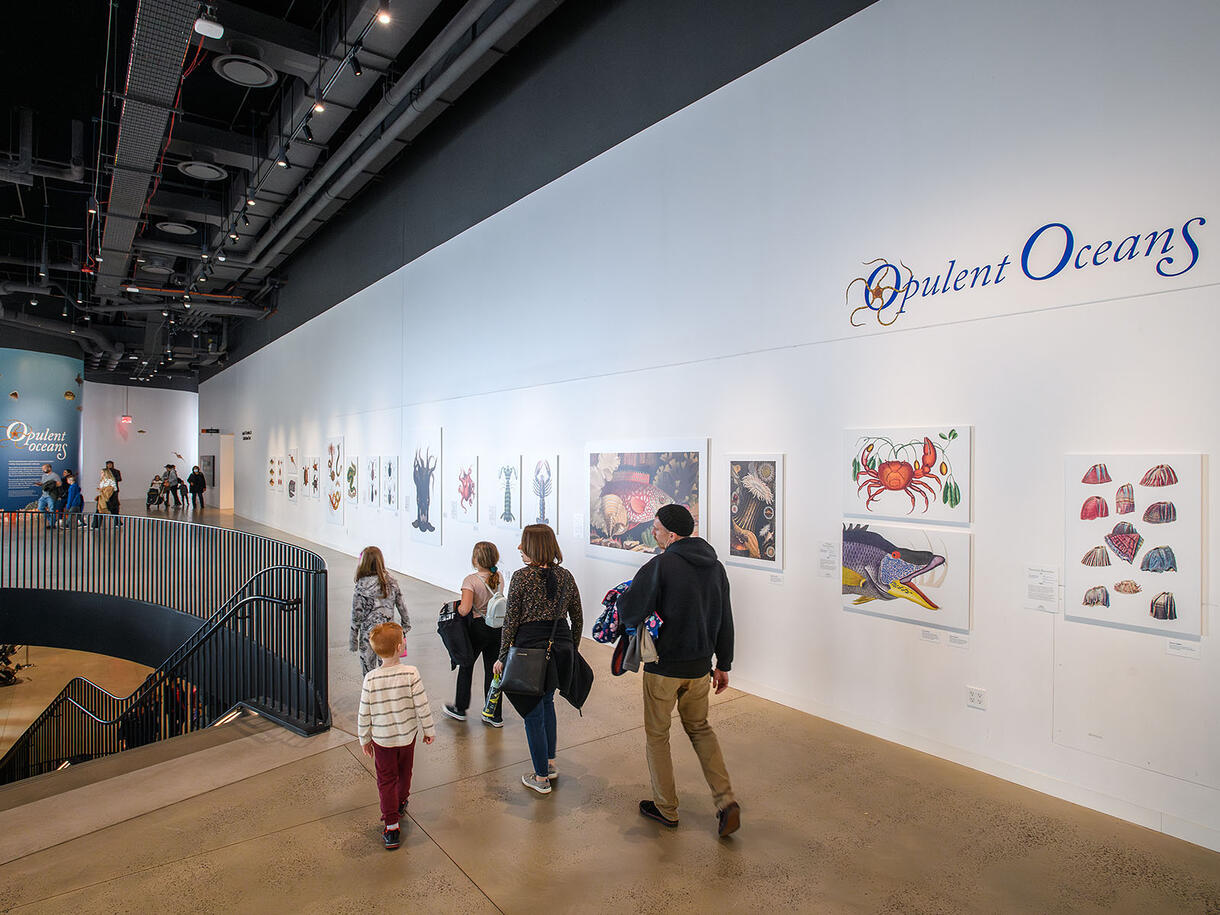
(255,819)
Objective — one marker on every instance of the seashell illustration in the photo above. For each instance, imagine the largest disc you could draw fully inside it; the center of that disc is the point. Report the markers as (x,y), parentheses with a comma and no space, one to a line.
(1125,541)
(1097,474)
(1094,507)
(1097,597)
(1159,559)
(1127,586)
(69,395)
(1161,513)
(1163,607)
(1160,475)
(1124,501)
(1096,557)
(12,395)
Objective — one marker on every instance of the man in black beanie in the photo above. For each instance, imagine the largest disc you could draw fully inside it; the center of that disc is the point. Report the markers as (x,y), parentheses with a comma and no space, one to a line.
(688,588)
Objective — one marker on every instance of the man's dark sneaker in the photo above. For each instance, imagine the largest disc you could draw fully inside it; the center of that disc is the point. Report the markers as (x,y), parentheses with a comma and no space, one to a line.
(453,713)
(392,838)
(728,820)
(649,809)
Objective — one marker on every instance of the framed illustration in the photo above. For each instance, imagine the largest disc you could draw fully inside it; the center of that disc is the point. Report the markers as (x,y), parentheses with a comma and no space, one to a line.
(313,487)
(1133,542)
(370,482)
(351,479)
(332,483)
(754,526)
(504,491)
(540,487)
(422,492)
(462,488)
(629,481)
(271,473)
(279,473)
(920,575)
(293,473)
(389,483)
(919,474)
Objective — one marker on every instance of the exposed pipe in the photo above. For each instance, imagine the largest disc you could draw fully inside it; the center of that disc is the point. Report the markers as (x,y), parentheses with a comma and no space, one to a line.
(26,168)
(59,266)
(82,335)
(210,308)
(263,252)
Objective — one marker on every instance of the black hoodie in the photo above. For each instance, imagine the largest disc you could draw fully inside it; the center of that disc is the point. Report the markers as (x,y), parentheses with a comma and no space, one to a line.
(688,587)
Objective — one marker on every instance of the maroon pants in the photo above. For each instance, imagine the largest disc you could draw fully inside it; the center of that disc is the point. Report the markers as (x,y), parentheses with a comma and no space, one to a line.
(393,778)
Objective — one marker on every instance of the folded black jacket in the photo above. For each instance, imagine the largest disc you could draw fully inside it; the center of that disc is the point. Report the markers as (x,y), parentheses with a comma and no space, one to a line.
(689,588)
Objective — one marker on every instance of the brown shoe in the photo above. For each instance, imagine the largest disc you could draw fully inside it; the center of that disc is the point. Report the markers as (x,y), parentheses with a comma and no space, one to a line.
(728,819)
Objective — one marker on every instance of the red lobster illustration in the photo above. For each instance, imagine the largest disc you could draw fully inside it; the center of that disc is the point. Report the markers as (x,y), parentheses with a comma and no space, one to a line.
(466,487)
(892,476)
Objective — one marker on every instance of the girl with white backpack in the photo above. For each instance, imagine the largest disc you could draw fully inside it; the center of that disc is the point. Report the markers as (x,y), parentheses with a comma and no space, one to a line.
(482,605)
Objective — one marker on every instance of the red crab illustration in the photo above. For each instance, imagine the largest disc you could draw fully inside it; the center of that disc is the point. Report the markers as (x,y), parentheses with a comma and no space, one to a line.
(466,487)
(892,476)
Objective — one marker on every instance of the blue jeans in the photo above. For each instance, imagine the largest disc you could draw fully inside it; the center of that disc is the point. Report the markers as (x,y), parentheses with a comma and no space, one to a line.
(46,505)
(540,733)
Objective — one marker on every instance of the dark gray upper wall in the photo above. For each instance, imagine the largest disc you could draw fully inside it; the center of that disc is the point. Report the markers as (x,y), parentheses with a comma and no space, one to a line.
(590,76)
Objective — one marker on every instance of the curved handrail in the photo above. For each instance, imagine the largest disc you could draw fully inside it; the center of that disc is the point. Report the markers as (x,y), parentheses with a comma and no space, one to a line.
(179,653)
(291,603)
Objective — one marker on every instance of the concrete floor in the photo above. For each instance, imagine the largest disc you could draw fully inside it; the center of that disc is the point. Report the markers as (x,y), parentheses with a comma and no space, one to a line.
(833,820)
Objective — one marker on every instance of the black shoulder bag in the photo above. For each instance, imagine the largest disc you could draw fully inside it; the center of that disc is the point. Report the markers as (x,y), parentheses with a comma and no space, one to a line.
(525,669)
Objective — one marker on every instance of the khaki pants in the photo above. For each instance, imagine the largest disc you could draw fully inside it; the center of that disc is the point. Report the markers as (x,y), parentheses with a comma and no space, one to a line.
(660,696)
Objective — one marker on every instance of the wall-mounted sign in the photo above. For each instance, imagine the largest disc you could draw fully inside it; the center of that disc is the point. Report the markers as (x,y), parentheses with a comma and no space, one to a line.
(209,432)
(247,435)
(1047,253)
(40,422)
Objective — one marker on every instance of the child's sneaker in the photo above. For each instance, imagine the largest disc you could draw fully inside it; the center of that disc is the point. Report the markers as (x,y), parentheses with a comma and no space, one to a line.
(392,838)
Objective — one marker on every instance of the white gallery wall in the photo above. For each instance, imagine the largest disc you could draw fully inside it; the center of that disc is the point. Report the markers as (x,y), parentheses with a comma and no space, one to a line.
(693,281)
(164,424)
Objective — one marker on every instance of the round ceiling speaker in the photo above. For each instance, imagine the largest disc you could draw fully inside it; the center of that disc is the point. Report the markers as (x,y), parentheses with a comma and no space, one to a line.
(175,228)
(202,170)
(244,71)
(157,265)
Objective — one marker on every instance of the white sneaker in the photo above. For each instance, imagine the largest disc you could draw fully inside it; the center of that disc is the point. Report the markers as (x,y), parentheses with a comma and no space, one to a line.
(530,782)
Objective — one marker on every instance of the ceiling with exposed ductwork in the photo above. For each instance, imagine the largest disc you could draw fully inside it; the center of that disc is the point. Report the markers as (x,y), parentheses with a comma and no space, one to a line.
(157,178)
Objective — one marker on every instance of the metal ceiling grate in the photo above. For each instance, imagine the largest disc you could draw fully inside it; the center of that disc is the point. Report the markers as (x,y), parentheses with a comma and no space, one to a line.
(159,44)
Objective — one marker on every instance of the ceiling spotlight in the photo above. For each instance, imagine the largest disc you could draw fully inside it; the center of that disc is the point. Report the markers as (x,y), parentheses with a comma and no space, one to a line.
(357,70)
(88,317)
(204,256)
(186,303)
(234,236)
(133,288)
(172,321)
(207,26)
(99,258)
(308,131)
(282,159)
(33,301)
(318,107)
(186,298)
(164,313)
(64,312)
(250,201)
(42,271)
(140,259)
(220,256)
(383,14)
(245,220)
(78,300)
(92,206)
(195,335)
(72,330)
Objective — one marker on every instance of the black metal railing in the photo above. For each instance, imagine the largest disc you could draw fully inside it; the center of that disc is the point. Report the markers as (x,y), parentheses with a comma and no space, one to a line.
(264,648)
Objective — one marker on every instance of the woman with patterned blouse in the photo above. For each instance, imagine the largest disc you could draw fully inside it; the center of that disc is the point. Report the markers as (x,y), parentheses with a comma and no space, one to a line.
(538,595)
(374,600)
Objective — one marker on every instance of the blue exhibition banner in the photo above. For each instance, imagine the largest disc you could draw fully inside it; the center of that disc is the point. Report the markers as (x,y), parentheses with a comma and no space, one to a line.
(40,416)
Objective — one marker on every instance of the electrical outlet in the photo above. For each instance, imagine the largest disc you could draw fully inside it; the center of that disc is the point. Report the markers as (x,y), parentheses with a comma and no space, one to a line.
(976,697)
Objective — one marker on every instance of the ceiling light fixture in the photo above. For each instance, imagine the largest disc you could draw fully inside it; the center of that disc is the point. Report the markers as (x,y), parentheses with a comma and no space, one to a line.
(207,26)
(308,131)
(234,236)
(245,220)
(383,14)
(357,70)
(133,288)
(220,256)
(63,313)
(164,313)
(282,160)
(92,206)
(195,335)
(250,201)
(33,301)
(318,107)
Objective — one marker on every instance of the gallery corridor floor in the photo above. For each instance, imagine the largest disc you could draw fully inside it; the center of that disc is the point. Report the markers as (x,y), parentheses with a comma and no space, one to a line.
(249,818)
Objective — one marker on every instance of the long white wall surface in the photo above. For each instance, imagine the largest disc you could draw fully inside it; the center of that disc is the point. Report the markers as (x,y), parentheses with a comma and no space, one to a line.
(164,424)
(691,282)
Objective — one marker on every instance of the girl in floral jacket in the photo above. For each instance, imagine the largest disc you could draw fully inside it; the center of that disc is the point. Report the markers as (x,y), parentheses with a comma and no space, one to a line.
(374,600)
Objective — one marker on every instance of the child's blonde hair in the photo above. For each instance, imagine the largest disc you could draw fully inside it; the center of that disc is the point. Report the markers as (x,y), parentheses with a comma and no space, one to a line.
(385,639)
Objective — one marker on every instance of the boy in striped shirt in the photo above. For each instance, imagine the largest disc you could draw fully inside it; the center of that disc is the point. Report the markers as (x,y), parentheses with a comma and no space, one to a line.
(393,710)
